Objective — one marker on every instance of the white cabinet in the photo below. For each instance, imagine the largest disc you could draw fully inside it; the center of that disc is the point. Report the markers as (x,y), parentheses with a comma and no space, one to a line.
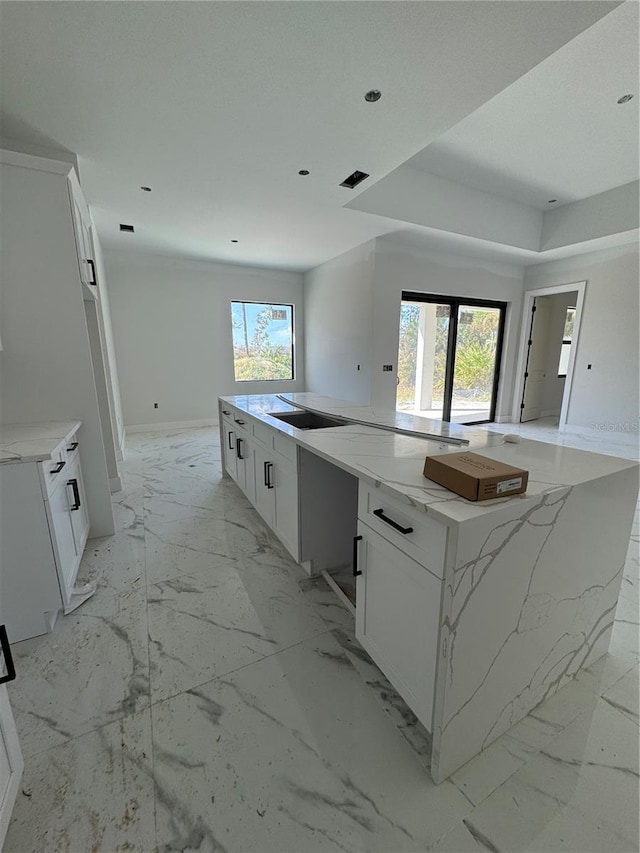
(284,478)
(82,233)
(397,619)
(11,762)
(44,526)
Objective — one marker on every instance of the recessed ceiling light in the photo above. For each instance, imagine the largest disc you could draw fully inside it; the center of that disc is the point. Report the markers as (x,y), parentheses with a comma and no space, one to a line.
(303,172)
(552,201)
(146,189)
(372,96)
(234,241)
(625,99)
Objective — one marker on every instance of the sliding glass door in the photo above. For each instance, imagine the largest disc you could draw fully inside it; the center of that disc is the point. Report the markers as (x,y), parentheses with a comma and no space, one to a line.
(449,357)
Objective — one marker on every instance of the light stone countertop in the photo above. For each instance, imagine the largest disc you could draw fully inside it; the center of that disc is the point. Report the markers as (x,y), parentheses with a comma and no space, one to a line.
(34,442)
(394,462)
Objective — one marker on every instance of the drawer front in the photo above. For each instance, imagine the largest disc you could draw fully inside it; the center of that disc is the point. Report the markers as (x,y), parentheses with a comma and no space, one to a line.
(262,433)
(240,421)
(285,446)
(420,537)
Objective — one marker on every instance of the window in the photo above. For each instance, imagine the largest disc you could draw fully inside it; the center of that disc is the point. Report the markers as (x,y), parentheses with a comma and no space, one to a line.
(567,337)
(262,341)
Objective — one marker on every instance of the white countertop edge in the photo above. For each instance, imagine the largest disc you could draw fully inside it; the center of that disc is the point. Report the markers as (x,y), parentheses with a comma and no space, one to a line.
(35,442)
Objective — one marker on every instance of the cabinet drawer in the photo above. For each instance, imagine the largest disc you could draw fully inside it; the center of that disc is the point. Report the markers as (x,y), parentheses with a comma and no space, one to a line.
(425,540)
(285,446)
(240,421)
(262,433)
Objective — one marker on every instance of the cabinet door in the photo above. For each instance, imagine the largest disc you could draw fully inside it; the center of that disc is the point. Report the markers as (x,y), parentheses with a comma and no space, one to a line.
(244,467)
(82,229)
(78,507)
(229,450)
(285,515)
(11,763)
(62,534)
(397,619)
(265,490)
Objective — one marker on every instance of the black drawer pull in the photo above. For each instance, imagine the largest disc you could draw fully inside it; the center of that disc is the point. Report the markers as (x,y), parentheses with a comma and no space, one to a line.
(230,442)
(239,421)
(8,657)
(225,412)
(76,494)
(58,467)
(269,469)
(73,446)
(94,280)
(239,448)
(390,521)
(356,571)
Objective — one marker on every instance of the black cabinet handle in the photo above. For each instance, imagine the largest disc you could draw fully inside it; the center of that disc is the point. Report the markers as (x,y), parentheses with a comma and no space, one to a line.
(230,442)
(390,521)
(58,467)
(93,272)
(8,658)
(239,421)
(73,447)
(225,412)
(76,494)
(239,448)
(266,474)
(356,571)
(269,470)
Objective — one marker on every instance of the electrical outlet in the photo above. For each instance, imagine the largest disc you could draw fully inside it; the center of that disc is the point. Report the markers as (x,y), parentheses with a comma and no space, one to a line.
(155,405)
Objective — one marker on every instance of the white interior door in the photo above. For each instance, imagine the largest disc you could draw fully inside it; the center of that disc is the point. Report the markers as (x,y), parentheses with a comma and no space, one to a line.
(535,370)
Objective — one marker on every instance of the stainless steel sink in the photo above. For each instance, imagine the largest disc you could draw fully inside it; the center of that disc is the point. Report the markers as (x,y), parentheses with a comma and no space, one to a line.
(307,420)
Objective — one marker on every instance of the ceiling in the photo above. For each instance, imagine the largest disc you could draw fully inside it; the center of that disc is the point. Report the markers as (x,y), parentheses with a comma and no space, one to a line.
(557,132)
(217,106)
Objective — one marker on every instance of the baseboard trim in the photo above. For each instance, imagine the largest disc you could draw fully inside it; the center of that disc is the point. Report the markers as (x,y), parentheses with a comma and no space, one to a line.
(171,425)
(502,419)
(550,413)
(115,484)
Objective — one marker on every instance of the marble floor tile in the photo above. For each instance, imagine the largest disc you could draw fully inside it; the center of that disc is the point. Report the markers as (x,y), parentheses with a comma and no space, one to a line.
(92,794)
(208,624)
(624,695)
(483,774)
(289,754)
(115,563)
(93,669)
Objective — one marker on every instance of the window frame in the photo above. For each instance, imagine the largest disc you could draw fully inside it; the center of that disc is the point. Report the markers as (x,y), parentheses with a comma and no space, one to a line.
(282,304)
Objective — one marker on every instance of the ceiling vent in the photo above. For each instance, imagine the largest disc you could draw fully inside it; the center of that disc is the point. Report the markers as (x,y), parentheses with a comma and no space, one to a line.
(354,179)
(129,228)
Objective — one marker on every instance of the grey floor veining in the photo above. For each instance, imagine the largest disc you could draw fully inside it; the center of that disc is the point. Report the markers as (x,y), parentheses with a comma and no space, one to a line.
(210,697)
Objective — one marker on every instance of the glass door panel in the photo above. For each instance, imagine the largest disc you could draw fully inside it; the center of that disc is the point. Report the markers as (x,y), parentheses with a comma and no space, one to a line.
(422,358)
(475,364)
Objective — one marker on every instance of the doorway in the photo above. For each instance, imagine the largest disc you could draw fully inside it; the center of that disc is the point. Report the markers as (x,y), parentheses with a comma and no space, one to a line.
(549,342)
(449,357)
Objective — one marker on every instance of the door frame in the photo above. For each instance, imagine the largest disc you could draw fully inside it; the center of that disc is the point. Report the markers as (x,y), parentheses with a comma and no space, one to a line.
(529,296)
(454,302)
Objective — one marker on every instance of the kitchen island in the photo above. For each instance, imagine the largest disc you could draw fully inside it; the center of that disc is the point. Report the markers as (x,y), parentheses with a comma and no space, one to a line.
(476,612)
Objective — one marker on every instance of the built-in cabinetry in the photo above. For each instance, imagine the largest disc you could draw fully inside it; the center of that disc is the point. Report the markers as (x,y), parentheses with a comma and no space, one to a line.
(264,464)
(399,559)
(44,526)
(11,762)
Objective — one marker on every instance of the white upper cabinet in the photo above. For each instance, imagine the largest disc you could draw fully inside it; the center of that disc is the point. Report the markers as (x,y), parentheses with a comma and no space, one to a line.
(82,232)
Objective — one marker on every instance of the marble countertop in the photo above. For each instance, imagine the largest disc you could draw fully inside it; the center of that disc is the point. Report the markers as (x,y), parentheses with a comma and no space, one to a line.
(33,442)
(394,462)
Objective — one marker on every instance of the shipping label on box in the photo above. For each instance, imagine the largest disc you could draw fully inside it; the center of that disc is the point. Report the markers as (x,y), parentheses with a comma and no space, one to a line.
(476,477)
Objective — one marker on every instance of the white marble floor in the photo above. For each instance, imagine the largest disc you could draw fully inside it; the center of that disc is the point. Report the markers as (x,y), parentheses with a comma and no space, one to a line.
(211,698)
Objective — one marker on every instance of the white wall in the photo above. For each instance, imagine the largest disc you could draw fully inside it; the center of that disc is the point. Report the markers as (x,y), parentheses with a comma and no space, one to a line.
(553,388)
(398,268)
(338,325)
(172,328)
(605,397)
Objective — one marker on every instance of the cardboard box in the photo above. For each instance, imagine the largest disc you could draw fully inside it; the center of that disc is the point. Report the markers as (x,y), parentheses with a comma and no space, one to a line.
(476,477)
